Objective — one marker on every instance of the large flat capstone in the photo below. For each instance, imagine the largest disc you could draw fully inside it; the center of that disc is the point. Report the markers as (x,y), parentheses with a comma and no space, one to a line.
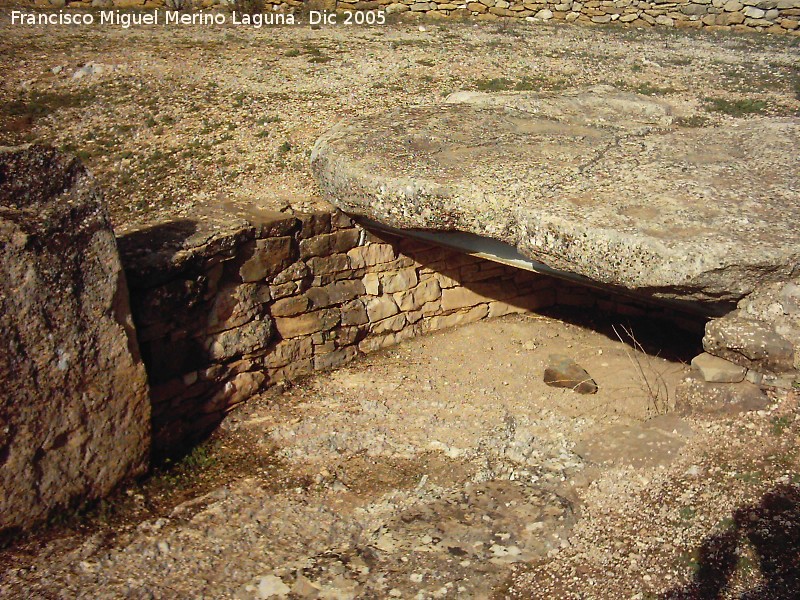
(598,183)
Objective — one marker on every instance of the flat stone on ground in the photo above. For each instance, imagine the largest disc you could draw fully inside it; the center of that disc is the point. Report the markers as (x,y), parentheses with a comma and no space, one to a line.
(718,370)
(564,372)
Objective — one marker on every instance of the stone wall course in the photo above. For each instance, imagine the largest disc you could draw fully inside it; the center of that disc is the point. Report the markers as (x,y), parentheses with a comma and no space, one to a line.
(591,12)
(325,296)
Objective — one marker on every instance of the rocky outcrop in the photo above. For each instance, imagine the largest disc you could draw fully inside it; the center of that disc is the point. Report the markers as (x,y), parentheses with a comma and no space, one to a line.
(74,408)
(759,341)
(597,183)
(762,335)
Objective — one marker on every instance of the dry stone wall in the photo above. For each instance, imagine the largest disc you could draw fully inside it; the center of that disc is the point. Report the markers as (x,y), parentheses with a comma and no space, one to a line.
(281,297)
(773,16)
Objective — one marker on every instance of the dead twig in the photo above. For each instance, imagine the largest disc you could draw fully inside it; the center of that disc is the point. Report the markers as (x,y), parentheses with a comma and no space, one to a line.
(654,386)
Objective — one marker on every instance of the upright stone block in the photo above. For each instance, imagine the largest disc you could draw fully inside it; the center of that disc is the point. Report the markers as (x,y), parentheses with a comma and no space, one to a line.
(74,406)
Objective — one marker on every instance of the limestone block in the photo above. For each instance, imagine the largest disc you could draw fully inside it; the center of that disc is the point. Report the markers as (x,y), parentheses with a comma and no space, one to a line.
(694,9)
(292,371)
(718,370)
(425,292)
(335,293)
(732,18)
(329,243)
(458,318)
(281,291)
(371,255)
(428,310)
(499,309)
(347,158)
(314,224)
(399,280)
(308,323)
(461,297)
(270,256)
(74,402)
(753,12)
(380,308)
(324,265)
(288,351)
(522,304)
(749,343)
(395,323)
(345,336)
(373,343)
(354,313)
(289,306)
(293,272)
(235,305)
(248,338)
(372,284)
(235,391)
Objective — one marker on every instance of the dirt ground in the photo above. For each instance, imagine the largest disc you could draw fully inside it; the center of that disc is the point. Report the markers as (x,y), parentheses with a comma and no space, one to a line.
(172,117)
(445,468)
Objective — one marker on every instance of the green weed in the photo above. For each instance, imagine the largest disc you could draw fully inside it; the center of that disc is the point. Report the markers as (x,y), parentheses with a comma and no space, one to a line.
(497,84)
(736,108)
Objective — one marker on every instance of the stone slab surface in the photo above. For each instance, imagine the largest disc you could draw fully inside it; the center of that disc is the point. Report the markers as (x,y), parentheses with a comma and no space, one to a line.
(598,183)
(718,370)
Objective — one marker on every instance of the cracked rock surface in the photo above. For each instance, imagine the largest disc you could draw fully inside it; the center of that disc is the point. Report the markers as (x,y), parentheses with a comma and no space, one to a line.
(595,182)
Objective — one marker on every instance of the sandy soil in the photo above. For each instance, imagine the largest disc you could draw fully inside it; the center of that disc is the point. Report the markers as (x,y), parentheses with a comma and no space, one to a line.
(445,468)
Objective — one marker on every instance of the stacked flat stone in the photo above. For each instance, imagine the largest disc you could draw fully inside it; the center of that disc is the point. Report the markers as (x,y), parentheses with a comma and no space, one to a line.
(225,307)
(760,340)
(772,16)
(751,348)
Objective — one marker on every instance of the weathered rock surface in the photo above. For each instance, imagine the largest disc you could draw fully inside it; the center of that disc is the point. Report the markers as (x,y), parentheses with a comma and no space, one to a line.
(695,395)
(654,442)
(718,370)
(749,342)
(74,407)
(564,372)
(596,183)
(762,334)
